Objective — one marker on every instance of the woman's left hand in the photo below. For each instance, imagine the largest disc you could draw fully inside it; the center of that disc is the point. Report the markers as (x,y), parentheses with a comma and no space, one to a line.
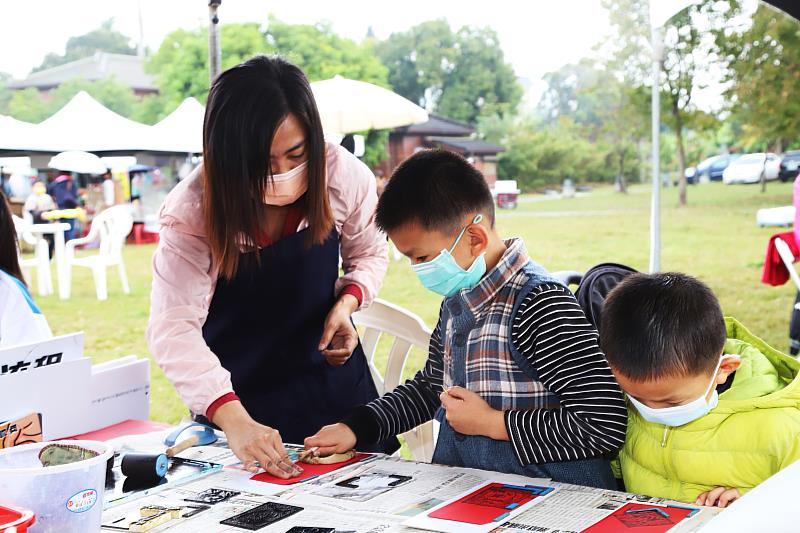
(339,337)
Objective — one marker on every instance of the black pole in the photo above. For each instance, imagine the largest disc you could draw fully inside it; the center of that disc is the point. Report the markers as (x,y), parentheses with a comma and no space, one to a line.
(214,49)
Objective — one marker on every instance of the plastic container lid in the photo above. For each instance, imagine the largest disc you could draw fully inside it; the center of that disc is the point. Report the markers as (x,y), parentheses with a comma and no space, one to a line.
(11,517)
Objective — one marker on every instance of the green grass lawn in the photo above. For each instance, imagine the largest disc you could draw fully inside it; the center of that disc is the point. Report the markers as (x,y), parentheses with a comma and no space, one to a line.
(715,238)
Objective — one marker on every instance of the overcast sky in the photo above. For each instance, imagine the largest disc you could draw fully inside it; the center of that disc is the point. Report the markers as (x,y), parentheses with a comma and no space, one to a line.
(537,36)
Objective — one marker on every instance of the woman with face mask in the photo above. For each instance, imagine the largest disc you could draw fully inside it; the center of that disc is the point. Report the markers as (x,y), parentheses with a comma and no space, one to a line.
(250,319)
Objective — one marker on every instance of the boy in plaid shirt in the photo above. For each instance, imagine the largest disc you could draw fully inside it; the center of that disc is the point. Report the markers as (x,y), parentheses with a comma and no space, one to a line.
(514,372)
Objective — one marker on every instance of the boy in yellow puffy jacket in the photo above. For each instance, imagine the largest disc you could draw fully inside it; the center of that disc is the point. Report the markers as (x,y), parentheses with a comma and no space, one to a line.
(713,410)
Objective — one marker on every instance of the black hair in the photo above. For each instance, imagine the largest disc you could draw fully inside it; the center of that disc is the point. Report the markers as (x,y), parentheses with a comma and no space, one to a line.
(435,189)
(9,260)
(246,105)
(660,325)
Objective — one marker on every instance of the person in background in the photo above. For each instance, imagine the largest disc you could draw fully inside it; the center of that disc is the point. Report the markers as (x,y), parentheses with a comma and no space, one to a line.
(37,203)
(19,185)
(66,195)
(108,189)
(21,321)
(349,143)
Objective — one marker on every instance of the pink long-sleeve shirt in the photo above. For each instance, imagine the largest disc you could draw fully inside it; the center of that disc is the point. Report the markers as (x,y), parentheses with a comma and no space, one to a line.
(184,277)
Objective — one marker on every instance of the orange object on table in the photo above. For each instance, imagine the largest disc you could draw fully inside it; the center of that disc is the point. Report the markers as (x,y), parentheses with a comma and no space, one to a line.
(15,520)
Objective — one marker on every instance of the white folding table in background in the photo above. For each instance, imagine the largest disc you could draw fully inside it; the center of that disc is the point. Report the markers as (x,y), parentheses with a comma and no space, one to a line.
(56,229)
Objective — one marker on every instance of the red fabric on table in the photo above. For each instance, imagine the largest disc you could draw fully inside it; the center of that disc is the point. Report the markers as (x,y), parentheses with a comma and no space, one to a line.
(123,429)
(309,471)
(775,272)
(641,522)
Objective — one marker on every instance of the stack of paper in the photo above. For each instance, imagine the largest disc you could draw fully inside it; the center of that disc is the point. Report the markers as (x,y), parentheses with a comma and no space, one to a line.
(53,377)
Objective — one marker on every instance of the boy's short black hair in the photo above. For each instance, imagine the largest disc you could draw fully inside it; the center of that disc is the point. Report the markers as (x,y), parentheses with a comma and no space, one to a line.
(659,325)
(435,189)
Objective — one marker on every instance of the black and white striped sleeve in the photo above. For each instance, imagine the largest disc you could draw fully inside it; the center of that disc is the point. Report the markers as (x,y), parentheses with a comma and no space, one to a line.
(551,330)
(407,406)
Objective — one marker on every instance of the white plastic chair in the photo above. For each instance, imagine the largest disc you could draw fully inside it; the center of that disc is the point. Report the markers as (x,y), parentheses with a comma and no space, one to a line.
(408,330)
(40,260)
(111,227)
(788,260)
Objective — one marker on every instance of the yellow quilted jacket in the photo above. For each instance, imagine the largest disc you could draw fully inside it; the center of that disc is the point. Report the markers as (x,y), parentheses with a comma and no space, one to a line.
(752,433)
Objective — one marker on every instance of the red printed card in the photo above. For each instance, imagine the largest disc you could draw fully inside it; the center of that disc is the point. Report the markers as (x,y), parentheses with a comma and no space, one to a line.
(642,518)
(309,471)
(490,503)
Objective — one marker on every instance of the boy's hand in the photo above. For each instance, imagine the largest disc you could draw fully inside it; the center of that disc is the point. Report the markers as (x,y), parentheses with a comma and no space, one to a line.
(721,497)
(336,438)
(469,414)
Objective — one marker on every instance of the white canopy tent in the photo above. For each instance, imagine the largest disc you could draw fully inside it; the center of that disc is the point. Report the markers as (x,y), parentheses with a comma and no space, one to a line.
(86,124)
(16,135)
(182,130)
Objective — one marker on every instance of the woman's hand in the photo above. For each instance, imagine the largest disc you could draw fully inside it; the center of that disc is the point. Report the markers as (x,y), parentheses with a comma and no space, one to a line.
(339,337)
(469,414)
(253,443)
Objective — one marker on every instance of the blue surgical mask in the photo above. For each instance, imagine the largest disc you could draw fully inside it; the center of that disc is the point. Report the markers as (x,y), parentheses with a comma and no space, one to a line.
(682,414)
(444,276)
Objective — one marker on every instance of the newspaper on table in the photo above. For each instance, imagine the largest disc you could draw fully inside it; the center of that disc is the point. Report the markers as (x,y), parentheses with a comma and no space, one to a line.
(573,508)
(375,496)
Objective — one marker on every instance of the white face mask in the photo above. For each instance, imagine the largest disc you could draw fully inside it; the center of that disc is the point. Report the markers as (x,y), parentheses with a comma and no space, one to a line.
(682,414)
(286,188)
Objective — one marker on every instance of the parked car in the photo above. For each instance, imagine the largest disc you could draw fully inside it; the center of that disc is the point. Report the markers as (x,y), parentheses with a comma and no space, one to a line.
(749,167)
(790,166)
(711,169)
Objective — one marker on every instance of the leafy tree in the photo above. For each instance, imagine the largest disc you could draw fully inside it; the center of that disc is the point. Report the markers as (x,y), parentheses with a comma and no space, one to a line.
(539,154)
(691,50)
(764,62)
(322,54)
(419,61)
(30,105)
(181,63)
(461,75)
(103,39)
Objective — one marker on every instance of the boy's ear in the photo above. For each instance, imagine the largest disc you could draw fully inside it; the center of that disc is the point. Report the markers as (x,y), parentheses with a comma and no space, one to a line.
(478,239)
(728,366)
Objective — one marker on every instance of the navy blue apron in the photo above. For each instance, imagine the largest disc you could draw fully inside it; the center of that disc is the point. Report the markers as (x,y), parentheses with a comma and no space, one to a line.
(265,326)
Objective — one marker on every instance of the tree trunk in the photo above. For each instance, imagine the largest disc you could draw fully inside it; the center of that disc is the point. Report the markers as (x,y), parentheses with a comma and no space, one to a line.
(620,184)
(763,178)
(676,112)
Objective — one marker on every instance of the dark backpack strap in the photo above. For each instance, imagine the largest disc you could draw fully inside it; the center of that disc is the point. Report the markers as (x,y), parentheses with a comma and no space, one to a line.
(595,286)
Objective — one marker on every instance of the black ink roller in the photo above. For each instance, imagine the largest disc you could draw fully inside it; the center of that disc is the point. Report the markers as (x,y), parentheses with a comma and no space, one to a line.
(148,467)
(144,465)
